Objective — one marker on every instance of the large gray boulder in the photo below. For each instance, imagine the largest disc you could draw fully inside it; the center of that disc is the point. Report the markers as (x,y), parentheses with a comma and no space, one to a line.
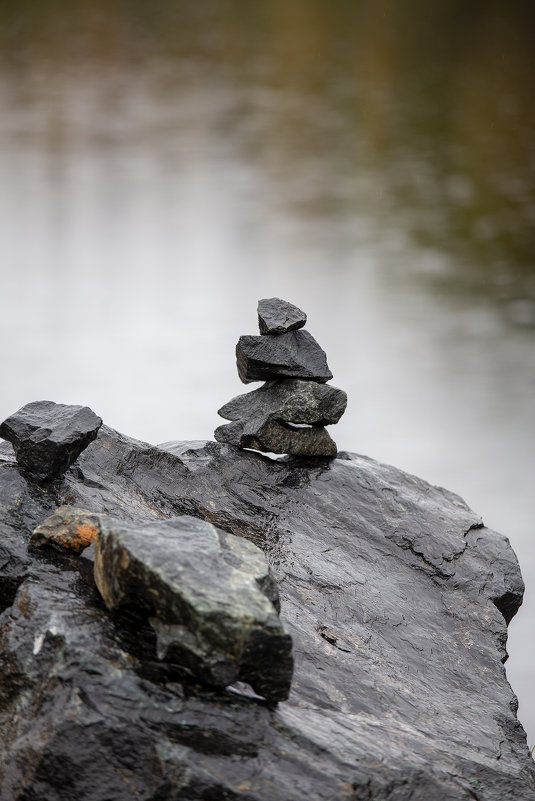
(396,596)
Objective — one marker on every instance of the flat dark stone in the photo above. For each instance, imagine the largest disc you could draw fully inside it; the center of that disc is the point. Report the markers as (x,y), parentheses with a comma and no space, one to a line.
(206,590)
(295,354)
(48,437)
(271,436)
(276,316)
(289,400)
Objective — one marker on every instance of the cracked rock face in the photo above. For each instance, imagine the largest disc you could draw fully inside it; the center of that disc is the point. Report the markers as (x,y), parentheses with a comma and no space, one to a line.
(206,591)
(396,597)
(295,354)
(276,316)
(48,437)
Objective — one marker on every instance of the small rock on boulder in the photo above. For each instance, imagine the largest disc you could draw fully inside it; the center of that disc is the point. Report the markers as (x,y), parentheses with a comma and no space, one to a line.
(70,528)
(295,354)
(211,594)
(276,316)
(48,437)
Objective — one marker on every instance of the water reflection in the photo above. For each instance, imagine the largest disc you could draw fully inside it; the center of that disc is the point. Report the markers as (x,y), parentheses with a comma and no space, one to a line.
(163,165)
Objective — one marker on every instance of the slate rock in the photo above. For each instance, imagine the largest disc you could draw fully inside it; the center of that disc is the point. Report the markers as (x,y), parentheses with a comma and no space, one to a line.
(276,316)
(295,354)
(271,436)
(207,592)
(290,401)
(48,437)
(396,597)
(68,527)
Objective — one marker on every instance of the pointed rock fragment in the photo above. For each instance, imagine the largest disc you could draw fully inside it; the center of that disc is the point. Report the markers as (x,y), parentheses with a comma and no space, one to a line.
(295,354)
(48,437)
(276,316)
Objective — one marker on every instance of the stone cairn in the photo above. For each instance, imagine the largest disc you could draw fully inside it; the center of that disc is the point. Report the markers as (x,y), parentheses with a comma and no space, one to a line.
(288,413)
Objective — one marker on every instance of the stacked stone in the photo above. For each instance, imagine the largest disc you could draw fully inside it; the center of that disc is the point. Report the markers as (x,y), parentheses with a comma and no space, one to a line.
(288,414)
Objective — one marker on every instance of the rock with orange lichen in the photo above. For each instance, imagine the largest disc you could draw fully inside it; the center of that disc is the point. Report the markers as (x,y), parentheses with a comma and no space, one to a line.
(69,527)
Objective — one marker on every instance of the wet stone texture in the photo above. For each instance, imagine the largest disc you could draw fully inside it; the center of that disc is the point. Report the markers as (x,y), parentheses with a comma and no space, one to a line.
(291,401)
(295,354)
(271,436)
(206,590)
(276,316)
(394,593)
(266,419)
(48,437)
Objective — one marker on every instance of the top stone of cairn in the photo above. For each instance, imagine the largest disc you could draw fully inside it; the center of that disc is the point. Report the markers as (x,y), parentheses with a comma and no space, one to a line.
(276,316)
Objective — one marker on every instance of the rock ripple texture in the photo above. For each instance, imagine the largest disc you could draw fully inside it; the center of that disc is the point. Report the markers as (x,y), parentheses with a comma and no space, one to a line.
(276,316)
(208,592)
(48,437)
(396,597)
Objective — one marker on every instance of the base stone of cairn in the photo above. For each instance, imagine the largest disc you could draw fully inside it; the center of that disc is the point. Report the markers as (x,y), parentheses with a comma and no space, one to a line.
(288,414)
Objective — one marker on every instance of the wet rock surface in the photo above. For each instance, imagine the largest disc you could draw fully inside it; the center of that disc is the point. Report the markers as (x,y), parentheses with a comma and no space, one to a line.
(291,401)
(276,316)
(48,437)
(266,419)
(206,591)
(288,414)
(271,436)
(392,590)
(295,354)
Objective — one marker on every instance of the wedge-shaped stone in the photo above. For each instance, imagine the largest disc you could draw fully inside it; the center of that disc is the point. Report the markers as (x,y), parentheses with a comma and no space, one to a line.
(48,437)
(271,436)
(211,595)
(276,316)
(290,401)
(295,354)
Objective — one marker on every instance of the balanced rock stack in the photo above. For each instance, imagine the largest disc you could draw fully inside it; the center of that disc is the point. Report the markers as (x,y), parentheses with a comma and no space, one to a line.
(288,413)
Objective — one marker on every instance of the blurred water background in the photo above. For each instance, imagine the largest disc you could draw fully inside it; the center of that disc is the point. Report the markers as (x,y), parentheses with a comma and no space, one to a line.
(163,165)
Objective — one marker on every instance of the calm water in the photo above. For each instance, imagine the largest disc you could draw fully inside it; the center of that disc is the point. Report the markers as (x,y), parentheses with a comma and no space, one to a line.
(163,165)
